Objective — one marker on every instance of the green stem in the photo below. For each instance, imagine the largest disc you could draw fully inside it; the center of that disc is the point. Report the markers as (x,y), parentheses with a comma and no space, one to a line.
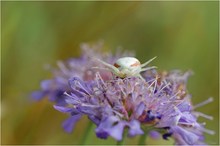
(87,133)
(143,138)
(123,138)
(120,142)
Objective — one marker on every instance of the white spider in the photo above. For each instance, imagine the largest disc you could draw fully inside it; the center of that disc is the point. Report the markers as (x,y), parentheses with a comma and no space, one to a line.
(127,67)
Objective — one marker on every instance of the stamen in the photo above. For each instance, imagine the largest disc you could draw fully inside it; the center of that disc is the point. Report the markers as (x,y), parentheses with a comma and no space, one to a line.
(80,85)
(89,105)
(82,104)
(211,132)
(203,124)
(203,103)
(72,97)
(176,101)
(151,80)
(151,84)
(163,87)
(189,124)
(121,88)
(179,102)
(99,78)
(65,93)
(175,94)
(155,84)
(84,94)
(119,114)
(203,115)
(165,81)
(63,68)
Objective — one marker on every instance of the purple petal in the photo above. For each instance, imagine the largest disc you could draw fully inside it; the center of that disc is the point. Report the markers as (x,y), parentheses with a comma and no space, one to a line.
(94,119)
(117,131)
(140,109)
(104,128)
(63,109)
(69,124)
(134,128)
(102,134)
(56,96)
(184,107)
(87,110)
(38,95)
(46,84)
(154,134)
(169,121)
(178,139)
(188,137)
(77,84)
(187,117)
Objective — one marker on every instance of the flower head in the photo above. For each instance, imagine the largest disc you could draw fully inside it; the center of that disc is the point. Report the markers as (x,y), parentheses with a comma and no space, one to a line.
(158,101)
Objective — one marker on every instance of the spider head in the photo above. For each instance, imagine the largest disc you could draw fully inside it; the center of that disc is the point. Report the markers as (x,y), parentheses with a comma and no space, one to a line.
(128,66)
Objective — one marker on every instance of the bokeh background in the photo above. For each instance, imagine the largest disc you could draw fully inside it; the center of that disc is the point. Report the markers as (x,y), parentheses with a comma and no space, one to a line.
(184,35)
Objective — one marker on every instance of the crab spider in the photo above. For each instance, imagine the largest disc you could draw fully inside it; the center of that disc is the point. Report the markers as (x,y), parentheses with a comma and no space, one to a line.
(126,67)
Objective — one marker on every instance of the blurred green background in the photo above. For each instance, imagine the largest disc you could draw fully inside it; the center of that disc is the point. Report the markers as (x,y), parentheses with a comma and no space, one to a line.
(184,35)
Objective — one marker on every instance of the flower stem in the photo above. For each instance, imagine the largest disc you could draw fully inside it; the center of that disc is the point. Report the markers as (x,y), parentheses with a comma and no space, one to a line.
(120,142)
(87,133)
(142,140)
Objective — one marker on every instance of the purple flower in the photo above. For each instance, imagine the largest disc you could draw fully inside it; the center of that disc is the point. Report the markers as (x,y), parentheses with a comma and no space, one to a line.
(161,103)
(158,104)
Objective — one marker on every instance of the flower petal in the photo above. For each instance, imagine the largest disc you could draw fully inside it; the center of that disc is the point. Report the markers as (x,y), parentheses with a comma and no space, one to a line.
(117,131)
(134,128)
(63,109)
(104,128)
(188,137)
(154,134)
(38,95)
(140,109)
(69,124)
(47,84)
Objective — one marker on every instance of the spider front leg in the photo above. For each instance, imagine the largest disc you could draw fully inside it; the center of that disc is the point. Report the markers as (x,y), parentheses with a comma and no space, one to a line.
(148,68)
(139,75)
(110,67)
(144,69)
(102,68)
(146,63)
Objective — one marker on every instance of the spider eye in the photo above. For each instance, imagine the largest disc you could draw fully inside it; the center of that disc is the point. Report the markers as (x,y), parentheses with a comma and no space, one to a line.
(116,65)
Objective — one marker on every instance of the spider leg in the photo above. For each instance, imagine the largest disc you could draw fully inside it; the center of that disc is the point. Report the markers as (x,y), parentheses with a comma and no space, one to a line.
(102,68)
(109,66)
(135,72)
(146,63)
(148,68)
(139,75)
